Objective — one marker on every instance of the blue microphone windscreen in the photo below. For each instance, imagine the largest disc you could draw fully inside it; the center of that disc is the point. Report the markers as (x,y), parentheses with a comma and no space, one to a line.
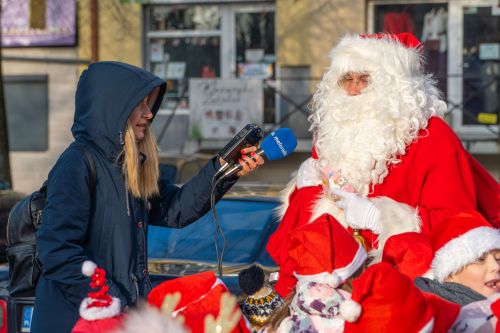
(279,144)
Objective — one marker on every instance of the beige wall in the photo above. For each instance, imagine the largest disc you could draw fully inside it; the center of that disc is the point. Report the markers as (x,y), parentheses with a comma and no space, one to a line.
(308,29)
(120,31)
(29,169)
(119,39)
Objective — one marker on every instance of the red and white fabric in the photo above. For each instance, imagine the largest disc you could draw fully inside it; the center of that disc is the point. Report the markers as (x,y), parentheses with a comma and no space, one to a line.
(384,300)
(459,241)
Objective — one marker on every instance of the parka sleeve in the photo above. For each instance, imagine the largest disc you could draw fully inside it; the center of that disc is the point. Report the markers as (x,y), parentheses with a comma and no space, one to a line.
(65,221)
(177,207)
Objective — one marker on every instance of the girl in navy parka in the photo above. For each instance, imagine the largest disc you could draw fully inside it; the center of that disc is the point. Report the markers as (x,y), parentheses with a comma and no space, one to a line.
(115,104)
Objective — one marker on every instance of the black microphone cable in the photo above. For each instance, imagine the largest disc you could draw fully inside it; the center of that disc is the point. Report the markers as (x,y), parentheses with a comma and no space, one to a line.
(218,228)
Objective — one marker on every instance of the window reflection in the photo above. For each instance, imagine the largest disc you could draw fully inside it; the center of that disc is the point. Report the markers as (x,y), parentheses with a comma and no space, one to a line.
(184,18)
(428,22)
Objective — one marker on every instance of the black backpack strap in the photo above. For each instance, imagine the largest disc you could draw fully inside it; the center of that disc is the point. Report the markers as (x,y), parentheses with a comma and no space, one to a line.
(93,176)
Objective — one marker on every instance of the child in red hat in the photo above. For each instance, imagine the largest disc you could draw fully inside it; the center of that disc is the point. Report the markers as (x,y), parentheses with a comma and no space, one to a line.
(466,263)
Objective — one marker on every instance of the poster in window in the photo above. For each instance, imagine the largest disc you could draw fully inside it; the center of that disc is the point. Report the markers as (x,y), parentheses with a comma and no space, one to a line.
(38,23)
(220,108)
(157,54)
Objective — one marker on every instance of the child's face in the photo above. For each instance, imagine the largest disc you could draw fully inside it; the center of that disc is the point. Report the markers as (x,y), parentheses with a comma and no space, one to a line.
(482,276)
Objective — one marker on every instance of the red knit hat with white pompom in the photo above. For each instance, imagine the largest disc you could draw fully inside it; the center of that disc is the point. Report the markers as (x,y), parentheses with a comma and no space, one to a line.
(324,252)
(98,304)
(384,300)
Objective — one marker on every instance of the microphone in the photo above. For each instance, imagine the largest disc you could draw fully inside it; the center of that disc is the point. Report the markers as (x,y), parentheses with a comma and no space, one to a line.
(279,144)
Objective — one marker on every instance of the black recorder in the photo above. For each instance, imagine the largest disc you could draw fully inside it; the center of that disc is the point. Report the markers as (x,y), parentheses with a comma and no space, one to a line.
(250,135)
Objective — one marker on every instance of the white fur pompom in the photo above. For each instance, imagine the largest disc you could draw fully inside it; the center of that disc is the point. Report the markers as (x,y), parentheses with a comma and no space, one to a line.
(350,310)
(88,267)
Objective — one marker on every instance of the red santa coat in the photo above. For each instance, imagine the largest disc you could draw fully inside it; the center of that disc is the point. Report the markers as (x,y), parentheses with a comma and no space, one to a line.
(436,175)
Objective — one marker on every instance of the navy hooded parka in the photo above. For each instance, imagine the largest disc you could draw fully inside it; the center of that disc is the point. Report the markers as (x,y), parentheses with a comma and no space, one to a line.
(106,225)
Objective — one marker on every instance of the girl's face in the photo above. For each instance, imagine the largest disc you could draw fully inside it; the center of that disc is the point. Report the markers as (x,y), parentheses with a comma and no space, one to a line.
(139,118)
(482,276)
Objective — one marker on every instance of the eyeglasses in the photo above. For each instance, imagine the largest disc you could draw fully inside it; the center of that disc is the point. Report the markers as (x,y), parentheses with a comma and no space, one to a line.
(349,80)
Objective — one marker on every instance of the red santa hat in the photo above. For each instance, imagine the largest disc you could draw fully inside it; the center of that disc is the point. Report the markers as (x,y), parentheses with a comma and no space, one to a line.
(201,296)
(324,252)
(459,241)
(384,300)
(99,312)
(397,54)
(410,253)
(445,312)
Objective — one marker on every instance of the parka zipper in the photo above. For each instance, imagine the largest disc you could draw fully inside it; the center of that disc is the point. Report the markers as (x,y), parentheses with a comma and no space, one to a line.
(126,196)
(135,286)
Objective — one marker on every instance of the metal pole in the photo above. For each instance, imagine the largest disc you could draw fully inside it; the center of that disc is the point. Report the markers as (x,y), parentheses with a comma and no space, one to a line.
(5,177)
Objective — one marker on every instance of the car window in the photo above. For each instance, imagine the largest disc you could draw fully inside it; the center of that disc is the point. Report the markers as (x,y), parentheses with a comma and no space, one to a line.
(247,225)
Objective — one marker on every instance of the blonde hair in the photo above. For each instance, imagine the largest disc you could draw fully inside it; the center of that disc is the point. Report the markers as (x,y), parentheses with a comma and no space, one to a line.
(142,176)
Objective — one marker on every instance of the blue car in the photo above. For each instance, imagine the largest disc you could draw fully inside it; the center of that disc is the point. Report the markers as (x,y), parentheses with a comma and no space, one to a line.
(246,216)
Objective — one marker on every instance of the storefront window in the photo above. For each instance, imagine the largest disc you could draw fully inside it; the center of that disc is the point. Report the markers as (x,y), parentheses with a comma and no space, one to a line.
(481,66)
(177,59)
(255,52)
(184,18)
(428,22)
(210,41)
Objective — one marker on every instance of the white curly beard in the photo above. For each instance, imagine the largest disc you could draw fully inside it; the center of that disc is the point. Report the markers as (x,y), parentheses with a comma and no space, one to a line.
(359,136)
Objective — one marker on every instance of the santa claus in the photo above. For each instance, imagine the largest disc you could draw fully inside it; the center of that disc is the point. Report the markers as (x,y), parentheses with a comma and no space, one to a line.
(384,162)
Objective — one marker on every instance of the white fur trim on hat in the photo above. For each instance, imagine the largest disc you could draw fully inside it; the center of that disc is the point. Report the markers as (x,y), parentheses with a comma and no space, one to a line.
(359,258)
(395,218)
(95,313)
(357,54)
(350,310)
(88,267)
(428,327)
(464,250)
(331,279)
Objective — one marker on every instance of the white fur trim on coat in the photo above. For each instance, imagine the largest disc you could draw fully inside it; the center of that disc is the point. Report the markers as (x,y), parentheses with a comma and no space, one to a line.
(285,198)
(95,313)
(308,174)
(464,250)
(396,218)
(325,205)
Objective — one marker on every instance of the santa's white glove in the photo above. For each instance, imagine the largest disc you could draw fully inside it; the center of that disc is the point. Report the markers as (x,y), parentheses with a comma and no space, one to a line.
(360,213)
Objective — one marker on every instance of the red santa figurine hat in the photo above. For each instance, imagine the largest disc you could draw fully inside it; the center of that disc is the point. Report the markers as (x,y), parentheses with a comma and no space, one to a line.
(99,311)
(98,304)
(410,253)
(384,300)
(325,252)
(204,302)
(461,240)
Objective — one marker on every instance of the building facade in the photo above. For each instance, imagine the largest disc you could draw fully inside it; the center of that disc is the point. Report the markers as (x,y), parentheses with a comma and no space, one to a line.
(281,45)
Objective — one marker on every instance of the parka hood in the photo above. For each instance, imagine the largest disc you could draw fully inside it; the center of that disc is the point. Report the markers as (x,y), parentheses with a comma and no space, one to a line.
(106,95)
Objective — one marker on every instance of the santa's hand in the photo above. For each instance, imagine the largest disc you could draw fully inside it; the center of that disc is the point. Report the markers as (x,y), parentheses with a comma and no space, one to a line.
(360,213)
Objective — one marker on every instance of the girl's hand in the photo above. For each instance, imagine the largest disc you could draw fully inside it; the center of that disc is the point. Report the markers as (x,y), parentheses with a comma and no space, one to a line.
(249,161)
